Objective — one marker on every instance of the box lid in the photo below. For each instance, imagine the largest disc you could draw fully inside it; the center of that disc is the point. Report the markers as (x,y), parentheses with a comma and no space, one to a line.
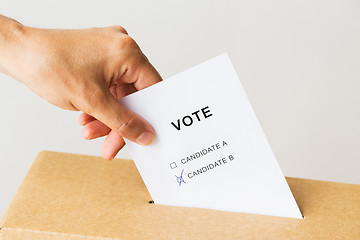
(69,196)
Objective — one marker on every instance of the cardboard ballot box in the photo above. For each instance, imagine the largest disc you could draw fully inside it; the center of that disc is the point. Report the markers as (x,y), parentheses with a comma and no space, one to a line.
(68,196)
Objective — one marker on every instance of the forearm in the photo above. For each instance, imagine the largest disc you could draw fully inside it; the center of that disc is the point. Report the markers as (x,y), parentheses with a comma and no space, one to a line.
(12,41)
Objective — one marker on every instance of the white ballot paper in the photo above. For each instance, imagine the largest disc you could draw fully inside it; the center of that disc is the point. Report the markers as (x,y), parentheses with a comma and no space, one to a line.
(209,150)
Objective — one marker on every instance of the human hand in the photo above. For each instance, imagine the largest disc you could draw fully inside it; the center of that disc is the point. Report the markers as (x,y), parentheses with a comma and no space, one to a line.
(84,70)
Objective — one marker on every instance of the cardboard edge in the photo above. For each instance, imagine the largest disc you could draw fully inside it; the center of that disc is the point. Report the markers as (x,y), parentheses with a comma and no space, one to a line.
(319,180)
(46,235)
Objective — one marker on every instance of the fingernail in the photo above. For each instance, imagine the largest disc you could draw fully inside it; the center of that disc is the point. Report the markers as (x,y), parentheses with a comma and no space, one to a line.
(145,138)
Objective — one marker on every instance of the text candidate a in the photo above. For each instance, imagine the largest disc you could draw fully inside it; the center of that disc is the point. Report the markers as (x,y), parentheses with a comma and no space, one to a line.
(209,150)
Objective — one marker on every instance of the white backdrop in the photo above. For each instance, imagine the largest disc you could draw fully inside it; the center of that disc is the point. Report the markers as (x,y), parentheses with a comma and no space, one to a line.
(299,62)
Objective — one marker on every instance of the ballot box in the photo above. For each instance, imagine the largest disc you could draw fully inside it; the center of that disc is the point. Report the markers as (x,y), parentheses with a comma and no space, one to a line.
(73,197)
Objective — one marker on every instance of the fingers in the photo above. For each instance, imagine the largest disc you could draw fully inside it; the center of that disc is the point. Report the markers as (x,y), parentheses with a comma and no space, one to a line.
(126,123)
(112,145)
(85,119)
(109,116)
(95,129)
(120,90)
(146,76)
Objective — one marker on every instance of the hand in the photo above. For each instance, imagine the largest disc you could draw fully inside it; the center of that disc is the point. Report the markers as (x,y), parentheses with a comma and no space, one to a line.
(83,70)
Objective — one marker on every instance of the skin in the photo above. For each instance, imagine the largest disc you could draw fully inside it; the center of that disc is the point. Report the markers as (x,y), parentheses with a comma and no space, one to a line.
(83,70)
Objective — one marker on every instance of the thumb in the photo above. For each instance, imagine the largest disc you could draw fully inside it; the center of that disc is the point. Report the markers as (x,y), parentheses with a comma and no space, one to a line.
(122,120)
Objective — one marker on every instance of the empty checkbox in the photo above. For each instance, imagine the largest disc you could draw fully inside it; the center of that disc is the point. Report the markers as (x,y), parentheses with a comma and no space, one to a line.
(173,165)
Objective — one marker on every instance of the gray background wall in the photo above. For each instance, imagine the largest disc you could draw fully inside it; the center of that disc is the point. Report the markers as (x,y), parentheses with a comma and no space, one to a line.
(298,61)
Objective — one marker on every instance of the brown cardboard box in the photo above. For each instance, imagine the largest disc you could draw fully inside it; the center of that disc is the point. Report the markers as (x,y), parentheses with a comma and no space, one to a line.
(67,196)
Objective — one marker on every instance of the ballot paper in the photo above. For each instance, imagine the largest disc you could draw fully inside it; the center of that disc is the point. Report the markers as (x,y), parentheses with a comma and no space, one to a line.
(209,149)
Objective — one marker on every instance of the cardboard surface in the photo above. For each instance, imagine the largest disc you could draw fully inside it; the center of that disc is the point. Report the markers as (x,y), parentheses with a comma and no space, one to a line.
(67,196)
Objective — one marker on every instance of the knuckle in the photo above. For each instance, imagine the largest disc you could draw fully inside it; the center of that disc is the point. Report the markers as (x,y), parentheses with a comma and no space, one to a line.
(126,42)
(128,123)
(91,99)
(118,28)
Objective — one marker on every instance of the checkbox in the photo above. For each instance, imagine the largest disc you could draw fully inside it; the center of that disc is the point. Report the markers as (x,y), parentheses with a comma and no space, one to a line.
(173,165)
